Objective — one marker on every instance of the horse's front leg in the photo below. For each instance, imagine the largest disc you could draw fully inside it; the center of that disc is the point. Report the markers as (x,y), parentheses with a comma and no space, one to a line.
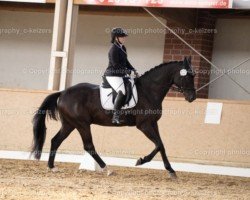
(151,131)
(148,158)
(167,165)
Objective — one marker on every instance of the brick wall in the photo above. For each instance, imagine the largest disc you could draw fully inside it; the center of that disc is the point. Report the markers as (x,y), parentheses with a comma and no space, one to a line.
(201,38)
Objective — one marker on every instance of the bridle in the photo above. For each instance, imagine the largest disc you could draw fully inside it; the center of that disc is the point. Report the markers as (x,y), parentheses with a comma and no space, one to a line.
(181,88)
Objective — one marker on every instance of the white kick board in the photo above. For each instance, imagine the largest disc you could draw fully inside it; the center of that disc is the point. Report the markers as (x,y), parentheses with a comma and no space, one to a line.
(126,162)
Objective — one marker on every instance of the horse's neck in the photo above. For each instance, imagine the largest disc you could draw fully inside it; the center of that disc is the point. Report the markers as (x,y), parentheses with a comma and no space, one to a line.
(158,83)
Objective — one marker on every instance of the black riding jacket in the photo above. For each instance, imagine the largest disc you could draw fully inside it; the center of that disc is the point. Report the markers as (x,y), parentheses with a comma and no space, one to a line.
(118,61)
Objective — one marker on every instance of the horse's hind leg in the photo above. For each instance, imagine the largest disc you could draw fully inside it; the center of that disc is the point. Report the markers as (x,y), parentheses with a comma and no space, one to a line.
(57,140)
(86,136)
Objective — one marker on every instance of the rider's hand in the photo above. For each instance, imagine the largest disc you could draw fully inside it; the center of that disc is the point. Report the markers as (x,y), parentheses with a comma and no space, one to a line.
(136,74)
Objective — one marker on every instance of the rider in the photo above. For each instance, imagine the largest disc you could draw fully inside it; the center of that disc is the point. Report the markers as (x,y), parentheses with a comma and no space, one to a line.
(118,67)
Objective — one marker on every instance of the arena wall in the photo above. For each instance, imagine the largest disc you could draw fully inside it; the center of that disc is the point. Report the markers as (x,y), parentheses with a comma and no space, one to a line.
(25,56)
(185,136)
(231,47)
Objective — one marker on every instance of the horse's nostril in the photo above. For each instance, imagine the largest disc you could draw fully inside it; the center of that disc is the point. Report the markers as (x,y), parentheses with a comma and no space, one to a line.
(191,98)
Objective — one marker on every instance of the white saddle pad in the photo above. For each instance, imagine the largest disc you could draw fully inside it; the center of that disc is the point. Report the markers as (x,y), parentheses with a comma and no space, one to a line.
(107,97)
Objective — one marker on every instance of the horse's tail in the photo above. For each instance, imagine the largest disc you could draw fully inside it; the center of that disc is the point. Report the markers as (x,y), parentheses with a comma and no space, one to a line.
(49,106)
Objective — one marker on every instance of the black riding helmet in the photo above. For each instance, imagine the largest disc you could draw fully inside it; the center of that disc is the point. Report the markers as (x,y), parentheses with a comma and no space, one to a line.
(117,32)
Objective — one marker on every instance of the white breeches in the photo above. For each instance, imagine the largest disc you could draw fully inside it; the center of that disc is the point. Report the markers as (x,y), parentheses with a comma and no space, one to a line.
(116,83)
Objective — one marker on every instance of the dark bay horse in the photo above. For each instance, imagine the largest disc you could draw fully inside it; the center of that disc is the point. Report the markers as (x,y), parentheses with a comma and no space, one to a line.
(79,107)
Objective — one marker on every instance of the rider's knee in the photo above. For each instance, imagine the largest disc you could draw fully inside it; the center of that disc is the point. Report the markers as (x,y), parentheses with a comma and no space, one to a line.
(121,92)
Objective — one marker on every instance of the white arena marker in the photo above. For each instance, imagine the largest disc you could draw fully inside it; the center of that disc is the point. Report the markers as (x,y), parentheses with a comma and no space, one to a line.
(88,163)
(213,113)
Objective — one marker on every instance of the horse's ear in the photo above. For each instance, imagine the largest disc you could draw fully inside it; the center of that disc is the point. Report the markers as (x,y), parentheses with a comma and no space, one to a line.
(186,63)
(189,60)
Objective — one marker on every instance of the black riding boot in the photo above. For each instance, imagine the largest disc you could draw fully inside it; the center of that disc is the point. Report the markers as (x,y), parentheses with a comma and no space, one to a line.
(119,100)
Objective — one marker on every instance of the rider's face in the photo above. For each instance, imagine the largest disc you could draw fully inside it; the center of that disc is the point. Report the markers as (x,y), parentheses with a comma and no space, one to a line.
(121,39)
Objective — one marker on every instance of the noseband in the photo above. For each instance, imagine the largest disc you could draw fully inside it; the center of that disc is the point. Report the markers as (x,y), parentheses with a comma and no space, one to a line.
(181,89)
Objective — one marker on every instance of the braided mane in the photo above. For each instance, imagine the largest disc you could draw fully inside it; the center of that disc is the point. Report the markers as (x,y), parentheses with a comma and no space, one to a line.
(159,67)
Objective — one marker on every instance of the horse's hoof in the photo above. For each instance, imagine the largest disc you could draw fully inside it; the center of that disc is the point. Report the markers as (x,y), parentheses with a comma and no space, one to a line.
(54,169)
(108,171)
(173,175)
(139,162)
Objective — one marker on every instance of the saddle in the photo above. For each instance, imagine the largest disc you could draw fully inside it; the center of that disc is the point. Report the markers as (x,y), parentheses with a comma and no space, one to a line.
(108,94)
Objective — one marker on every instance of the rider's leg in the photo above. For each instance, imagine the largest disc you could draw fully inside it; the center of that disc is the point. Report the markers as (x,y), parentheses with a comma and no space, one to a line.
(119,101)
(118,85)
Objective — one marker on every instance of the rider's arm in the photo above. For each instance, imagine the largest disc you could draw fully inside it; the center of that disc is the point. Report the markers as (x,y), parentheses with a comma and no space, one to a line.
(114,57)
(129,66)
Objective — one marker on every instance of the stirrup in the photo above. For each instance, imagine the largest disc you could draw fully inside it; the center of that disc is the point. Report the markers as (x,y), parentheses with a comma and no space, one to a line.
(116,120)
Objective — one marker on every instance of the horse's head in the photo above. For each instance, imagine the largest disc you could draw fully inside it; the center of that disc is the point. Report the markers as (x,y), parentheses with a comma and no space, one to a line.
(184,80)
